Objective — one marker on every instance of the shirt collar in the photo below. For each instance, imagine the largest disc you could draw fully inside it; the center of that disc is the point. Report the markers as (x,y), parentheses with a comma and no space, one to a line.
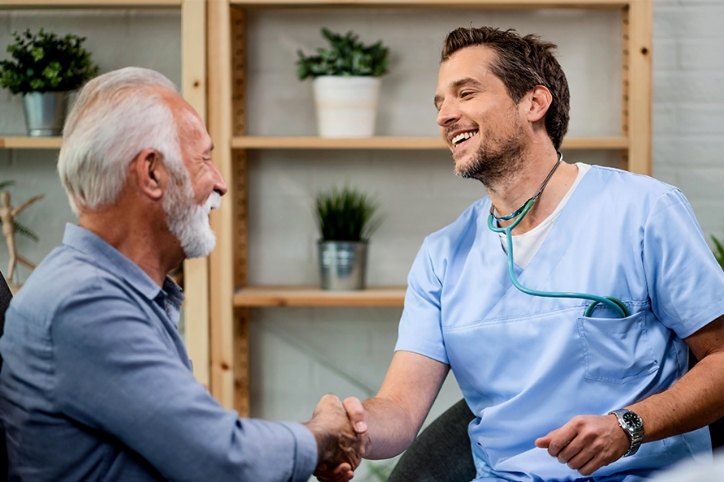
(108,258)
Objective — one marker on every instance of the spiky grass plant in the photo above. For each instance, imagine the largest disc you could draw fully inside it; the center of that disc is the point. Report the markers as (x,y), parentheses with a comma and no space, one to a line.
(346,215)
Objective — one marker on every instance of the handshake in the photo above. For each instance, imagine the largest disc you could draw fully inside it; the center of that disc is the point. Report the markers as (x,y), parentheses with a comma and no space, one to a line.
(341,434)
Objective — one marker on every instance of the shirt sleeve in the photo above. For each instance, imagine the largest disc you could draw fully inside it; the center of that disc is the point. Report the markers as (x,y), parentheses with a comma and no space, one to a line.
(684,279)
(116,374)
(420,328)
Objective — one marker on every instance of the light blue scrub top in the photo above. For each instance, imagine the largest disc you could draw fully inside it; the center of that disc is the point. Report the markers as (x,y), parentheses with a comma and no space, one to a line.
(526,365)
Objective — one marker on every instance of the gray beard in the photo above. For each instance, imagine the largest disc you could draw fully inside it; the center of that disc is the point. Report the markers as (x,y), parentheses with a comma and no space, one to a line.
(187,221)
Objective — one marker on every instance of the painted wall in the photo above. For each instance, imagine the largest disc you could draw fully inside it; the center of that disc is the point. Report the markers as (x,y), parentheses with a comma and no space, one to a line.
(300,354)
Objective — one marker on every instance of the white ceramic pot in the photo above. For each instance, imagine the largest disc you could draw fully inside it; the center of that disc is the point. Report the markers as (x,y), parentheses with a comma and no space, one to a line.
(346,106)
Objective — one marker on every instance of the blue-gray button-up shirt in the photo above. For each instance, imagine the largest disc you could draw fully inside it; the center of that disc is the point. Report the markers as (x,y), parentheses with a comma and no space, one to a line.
(96,384)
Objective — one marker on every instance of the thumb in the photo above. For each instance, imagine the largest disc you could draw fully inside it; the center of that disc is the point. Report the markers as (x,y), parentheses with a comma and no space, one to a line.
(356,414)
(543,442)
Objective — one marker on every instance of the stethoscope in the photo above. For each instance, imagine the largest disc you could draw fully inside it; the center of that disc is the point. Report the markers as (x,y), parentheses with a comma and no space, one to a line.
(617,305)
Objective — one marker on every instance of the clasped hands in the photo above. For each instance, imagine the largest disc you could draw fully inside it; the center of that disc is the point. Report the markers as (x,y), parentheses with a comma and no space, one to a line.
(341,434)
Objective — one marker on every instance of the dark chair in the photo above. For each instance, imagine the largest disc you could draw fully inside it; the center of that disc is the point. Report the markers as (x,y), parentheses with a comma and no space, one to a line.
(5,297)
(441,452)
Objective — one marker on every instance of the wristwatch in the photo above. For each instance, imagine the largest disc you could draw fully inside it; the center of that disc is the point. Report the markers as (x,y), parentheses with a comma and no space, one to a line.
(633,426)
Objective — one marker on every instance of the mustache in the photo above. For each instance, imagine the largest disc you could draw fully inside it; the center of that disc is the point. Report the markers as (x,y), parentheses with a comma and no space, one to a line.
(213,201)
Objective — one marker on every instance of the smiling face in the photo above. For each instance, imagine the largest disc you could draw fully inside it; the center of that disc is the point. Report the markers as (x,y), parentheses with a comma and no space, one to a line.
(478,120)
(196,189)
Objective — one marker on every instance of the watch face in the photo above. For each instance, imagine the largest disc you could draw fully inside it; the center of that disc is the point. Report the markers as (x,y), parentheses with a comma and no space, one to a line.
(632,420)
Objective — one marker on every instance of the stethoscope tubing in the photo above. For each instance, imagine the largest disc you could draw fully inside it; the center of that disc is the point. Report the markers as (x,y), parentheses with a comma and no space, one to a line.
(617,305)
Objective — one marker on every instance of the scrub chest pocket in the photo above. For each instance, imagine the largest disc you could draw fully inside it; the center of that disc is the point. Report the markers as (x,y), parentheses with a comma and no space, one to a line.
(616,350)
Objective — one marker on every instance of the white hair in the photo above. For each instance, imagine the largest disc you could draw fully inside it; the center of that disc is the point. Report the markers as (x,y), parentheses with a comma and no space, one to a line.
(115,117)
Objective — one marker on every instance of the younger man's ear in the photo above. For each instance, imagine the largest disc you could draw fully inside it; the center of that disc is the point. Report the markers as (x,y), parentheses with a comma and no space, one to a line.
(539,100)
(151,173)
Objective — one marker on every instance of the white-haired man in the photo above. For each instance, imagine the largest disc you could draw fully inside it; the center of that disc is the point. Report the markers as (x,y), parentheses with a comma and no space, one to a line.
(96,383)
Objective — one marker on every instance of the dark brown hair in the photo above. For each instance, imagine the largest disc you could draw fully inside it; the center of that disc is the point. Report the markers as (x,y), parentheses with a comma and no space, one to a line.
(521,63)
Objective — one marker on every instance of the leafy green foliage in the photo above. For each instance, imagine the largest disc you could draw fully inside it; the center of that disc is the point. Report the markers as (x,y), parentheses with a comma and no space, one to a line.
(718,251)
(19,228)
(45,62)
(347,56)
(346,215)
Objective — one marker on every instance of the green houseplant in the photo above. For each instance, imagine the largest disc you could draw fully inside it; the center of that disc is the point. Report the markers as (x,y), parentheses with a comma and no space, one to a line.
(44,68)
(346,218)
(346,83)
(718,250)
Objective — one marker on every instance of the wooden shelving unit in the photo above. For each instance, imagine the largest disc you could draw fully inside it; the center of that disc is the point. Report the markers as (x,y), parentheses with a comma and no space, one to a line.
(230,294)
(193,75)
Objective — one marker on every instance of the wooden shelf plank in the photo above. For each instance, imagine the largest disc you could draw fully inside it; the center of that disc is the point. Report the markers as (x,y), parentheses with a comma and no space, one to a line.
(436,3)
(309,142)
(595,143)
(88,3)
(312,296)
(20,142)
(279,142)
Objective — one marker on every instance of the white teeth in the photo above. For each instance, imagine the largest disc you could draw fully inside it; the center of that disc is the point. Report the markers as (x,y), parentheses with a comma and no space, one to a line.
(463,136)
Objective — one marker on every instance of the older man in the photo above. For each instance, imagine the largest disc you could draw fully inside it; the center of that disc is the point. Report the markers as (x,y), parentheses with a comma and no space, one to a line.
(96,383)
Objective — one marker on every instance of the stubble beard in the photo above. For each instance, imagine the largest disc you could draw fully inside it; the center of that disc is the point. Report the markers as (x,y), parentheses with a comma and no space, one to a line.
(492,165)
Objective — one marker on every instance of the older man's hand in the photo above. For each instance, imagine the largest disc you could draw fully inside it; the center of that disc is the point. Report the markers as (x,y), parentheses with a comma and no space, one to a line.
(341,439)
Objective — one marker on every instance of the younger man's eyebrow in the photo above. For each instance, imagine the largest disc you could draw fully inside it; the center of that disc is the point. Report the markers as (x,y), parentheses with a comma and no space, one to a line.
(457,85)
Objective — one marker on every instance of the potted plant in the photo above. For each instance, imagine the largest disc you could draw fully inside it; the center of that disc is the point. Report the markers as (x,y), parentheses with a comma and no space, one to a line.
(44,68)
(346,84)
(346,218)
(718,250)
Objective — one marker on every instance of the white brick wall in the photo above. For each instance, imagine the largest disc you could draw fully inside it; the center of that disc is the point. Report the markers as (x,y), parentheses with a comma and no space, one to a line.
(688,128)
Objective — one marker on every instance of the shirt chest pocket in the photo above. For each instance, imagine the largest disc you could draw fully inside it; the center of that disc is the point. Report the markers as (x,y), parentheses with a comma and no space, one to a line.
(616,350)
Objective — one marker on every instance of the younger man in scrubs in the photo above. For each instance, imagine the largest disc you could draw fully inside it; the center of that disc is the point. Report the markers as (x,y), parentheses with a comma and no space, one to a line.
(540,377)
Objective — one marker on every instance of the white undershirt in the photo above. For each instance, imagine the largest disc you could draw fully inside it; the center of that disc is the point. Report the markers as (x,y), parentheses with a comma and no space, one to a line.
(526,245)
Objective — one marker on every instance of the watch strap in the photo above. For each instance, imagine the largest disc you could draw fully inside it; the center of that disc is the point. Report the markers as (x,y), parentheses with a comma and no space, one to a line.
(632,424)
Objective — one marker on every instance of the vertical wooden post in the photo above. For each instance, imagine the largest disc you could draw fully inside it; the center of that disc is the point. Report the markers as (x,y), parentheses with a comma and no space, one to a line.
(196,271)
(221,281)
(241,318)
(639,76)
